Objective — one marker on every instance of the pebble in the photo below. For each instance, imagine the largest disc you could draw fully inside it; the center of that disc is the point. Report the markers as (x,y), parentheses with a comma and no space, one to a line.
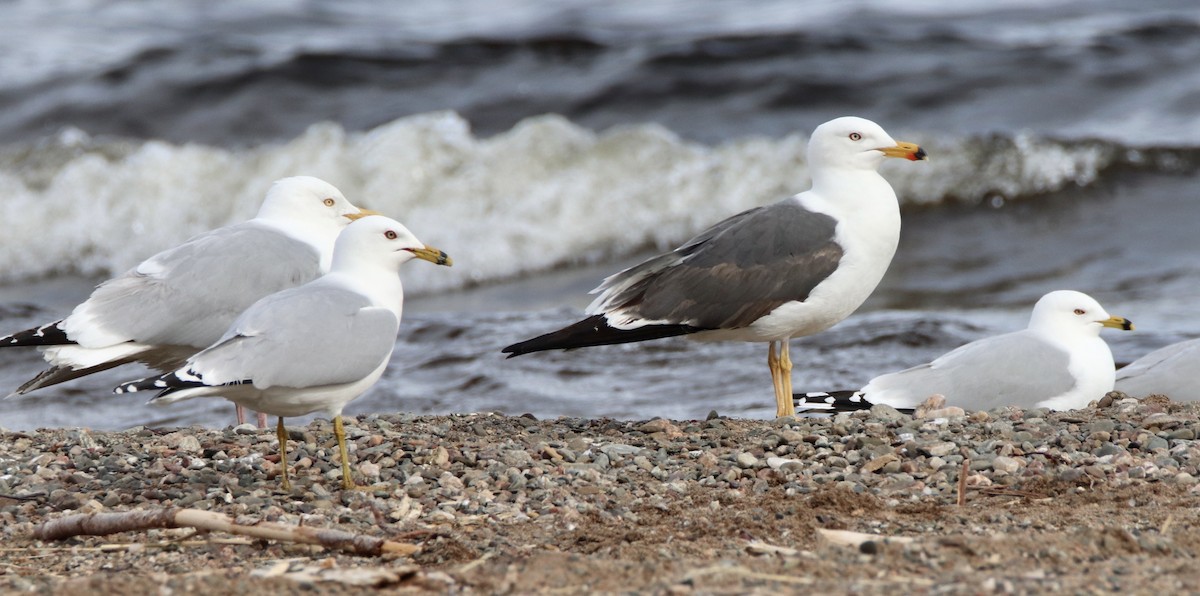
(939,449)
(461,469)
(1004,464)
(746,460)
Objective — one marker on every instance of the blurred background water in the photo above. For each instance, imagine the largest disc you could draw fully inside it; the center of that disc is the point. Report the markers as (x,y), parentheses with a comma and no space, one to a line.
(545,145)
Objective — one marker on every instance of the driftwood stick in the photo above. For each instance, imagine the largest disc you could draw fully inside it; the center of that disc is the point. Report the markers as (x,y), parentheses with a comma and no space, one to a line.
(99,524)
(962,482)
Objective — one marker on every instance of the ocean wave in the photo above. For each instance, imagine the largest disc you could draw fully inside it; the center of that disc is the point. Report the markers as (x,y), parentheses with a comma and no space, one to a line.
(545,194)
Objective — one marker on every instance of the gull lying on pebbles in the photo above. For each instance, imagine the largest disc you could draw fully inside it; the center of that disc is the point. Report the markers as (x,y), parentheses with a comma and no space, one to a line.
(1059,362)
(313,348)
(790,269)
(1173,371)
(181,300)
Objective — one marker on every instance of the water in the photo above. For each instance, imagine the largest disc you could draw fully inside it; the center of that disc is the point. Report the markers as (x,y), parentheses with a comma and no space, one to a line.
(545,147)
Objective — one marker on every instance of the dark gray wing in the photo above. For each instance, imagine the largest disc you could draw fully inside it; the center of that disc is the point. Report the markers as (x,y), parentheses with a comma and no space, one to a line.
(731,274)
(311,336)
(190,294)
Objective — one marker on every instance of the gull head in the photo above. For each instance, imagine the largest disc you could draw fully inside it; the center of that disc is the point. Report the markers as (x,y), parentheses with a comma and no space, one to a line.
(380,239)
(851,142)
(1067,312)
(309,199)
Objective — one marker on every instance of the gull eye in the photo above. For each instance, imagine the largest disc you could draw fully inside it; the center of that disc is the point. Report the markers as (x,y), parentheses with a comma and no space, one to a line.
(329,202)
(855,136)
(390,235)
(1080,311)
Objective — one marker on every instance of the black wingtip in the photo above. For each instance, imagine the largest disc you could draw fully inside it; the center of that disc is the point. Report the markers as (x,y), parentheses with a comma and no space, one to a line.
(845,400)
(594,331)
(50,334)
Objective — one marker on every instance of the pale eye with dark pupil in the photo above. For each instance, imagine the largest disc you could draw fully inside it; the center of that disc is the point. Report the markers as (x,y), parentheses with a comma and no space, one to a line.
(855,136)
(390,235)
(1080,311)
(329,202)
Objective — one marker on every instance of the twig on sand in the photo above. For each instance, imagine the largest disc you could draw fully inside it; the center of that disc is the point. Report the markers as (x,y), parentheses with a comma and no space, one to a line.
(856,539)
(101,524)
(476,563)
(962,482)
(1166,525)
(747,573)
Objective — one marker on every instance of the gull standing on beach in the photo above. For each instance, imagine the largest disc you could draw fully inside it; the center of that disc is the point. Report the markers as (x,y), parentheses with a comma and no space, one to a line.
(1059,362)
(1173,371)
(181,300)
(312,348)
(769,274)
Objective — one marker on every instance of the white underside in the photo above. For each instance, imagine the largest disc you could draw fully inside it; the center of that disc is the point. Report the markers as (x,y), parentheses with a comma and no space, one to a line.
(285,401)
(1091,365)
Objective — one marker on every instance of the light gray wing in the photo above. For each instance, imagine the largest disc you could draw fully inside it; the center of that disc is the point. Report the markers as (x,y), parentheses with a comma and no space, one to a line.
(1173,371)
(1015,369)
(190,294)
(311,336)
(731,274)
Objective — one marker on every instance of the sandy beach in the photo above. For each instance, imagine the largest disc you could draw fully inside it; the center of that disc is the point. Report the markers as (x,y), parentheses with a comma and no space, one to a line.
(1097,499)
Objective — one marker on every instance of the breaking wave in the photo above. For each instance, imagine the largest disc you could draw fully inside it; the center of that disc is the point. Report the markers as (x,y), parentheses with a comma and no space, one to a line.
(545,194)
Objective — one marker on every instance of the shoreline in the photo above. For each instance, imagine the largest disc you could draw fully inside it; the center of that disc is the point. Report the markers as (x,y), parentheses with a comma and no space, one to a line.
(1098,498)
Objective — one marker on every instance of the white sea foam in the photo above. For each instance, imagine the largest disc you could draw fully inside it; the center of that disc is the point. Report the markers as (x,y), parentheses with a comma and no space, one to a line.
(545,194)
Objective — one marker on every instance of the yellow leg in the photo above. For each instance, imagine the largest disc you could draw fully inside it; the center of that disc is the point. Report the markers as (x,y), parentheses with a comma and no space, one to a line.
(776,374)
(786,406)
(281,432)
(340,433)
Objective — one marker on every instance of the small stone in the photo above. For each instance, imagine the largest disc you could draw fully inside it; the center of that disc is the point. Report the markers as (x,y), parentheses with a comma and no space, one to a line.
(791,437)
(616,450)
(1006,464)
(450,481)
(189,444)
(878,463)
(746,460)
(938,449)
(887,413)
(657,425)
(1186,434)
(1070,475)
(517,458)
(784,464)
(369,470)
(92,506)
(550,453)
(1157,443)
(1161,421)
(441,456)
